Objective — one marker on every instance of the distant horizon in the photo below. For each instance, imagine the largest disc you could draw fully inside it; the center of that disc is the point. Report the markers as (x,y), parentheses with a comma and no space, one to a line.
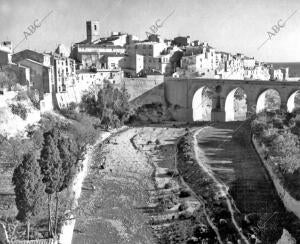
(237,26)
(284,62)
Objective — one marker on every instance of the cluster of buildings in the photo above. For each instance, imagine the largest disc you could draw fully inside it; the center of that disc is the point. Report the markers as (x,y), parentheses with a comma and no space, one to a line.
(123,55)
(180,57)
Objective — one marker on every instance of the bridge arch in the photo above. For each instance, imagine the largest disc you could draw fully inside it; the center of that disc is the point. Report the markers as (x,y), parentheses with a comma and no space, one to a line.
(236,105)
(202,104)
(268,99)
(293,101)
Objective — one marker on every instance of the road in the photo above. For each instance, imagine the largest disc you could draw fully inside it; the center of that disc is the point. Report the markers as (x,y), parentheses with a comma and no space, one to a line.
(222,187)
(240,169)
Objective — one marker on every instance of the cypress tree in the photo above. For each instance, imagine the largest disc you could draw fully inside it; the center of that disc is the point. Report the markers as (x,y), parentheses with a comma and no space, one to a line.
(29,189)
(51,168)
(67,153)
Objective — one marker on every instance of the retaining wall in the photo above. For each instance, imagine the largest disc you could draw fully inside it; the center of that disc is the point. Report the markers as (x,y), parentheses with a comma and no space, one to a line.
(42,241)
(290,203)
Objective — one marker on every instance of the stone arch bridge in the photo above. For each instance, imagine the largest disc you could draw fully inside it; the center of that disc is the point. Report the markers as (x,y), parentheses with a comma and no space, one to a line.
(179,94)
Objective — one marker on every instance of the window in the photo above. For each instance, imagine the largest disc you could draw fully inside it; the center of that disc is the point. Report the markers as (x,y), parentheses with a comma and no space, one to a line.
(95,27)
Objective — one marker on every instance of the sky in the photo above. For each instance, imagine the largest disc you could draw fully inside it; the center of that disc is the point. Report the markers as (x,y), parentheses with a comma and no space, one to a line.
(227,25)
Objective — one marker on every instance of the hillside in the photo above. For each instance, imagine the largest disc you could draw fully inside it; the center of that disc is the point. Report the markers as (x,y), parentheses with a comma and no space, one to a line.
(13,106)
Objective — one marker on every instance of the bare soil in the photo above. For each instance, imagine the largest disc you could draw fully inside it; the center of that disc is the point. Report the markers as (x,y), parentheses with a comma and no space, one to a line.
(138,196)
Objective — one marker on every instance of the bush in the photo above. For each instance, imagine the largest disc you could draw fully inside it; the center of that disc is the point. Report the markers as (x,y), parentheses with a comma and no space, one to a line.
(71,113)
(184,193)
(21,96)
(267,139)
(157,142)
(182,207)
(258,127)
(172,173)
(168,186)
(34,98)
(278,123)
(19,110)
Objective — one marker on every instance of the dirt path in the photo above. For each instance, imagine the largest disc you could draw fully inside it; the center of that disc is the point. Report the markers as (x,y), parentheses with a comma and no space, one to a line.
(239,168)
(222,187)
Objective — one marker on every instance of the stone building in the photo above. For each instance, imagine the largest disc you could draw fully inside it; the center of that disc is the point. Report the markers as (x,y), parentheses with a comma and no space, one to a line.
(41,70)
(10,73)
(64,71)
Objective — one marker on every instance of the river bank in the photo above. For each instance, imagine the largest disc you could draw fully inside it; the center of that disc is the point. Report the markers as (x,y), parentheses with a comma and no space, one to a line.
(235,163)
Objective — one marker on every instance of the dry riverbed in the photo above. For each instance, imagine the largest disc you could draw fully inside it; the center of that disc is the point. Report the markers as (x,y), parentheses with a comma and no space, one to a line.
(138,196)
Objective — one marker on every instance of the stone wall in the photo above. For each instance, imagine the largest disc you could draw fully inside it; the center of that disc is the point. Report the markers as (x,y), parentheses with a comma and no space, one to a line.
(47,103)
(136,87)
(42,241)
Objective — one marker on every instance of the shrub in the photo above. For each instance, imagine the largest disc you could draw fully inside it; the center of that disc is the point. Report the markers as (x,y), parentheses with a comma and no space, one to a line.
(267,139)
(72,106)
(71,113)
(34,98)
(19,110)
(172,173)
(258,127)
(278,123)
(184,193)
(21,96)
(182,207)
(168,186)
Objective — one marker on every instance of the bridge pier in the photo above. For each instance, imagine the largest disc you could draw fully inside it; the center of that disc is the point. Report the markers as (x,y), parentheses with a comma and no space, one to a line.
(189,115)
(218,113)
(283,106)
(218,116)
(251,108)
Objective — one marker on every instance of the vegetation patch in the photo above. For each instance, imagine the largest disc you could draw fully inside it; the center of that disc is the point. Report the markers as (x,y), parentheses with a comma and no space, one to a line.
(109,104)
(278,134)
(43,165)
(19,109)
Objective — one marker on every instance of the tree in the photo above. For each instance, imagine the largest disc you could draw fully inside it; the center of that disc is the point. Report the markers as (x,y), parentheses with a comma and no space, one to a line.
(110,105)
(67,152)
(286,151)
(29,189)
(51,168)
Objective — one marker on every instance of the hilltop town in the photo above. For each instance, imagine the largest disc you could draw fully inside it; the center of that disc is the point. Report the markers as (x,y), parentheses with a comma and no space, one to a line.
(120,140)
(119,56)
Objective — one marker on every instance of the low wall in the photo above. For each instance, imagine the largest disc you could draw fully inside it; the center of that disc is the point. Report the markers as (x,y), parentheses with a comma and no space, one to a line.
(289,202)
(63,99)
(44,241)
(66,235)
(47,103)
